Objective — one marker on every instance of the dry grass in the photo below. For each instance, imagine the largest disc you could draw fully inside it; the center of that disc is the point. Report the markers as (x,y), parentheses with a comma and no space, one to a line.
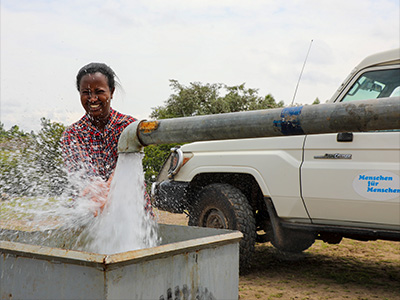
(350,270)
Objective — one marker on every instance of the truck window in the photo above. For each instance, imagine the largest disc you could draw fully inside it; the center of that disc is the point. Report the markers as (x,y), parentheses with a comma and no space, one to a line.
(396,92)
(375,84)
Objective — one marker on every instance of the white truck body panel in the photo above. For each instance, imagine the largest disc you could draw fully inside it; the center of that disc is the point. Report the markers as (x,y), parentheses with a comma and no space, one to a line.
(259,157)
(339,189)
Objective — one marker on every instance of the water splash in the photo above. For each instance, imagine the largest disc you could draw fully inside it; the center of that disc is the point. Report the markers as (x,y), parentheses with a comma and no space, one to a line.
(124,224)
(59,221)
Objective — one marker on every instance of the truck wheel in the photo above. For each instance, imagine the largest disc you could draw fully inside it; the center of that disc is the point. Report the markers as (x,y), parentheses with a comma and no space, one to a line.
(225,207)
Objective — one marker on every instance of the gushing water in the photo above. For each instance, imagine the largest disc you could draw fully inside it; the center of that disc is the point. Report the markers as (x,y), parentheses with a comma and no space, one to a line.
(123,225)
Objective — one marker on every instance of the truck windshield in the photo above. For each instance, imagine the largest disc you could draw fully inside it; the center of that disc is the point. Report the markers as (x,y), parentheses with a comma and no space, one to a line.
(375,84)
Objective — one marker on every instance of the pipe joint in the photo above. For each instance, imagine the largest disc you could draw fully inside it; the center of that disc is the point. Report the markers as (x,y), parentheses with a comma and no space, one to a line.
(129,140)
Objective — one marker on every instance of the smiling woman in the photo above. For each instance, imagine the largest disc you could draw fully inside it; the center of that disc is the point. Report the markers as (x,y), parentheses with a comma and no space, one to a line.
(91,143)
(96,97)
(89,146)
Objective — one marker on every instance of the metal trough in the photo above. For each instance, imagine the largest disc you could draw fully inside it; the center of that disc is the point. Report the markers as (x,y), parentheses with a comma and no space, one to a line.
(192,263)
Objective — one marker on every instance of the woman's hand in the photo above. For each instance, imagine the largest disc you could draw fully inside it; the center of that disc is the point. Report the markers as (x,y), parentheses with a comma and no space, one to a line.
(97,192)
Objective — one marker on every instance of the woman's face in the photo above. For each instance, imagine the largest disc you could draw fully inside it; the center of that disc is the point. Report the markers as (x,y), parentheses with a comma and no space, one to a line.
(96,96)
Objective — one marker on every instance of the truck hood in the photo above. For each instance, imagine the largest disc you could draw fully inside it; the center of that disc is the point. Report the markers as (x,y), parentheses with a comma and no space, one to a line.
(278,143)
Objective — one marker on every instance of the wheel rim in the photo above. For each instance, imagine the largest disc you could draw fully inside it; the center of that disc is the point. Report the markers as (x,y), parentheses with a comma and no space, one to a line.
(215,219)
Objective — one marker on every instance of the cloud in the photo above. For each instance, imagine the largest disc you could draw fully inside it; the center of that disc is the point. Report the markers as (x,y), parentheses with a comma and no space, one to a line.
(262,43)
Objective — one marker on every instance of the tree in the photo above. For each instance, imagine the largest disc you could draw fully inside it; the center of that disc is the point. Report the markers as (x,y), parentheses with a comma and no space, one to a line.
(197,99)
(2,130)
(200,99)
(207,99)
(48,159)
(16,132)
(155,155)
(316,101)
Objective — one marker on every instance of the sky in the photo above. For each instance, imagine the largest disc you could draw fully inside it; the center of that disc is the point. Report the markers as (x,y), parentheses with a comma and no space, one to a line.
(262,43)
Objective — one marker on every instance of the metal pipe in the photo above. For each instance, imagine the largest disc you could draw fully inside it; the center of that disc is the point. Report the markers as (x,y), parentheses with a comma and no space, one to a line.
(128,141)
(356,116)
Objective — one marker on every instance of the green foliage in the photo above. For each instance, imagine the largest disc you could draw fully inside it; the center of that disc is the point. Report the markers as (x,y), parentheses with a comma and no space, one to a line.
(316,101)
(16,132)
(50,165)
(14,159)
(3,132)
(13,132)
(201,99)
(155,155)
(14,144)
(207,99)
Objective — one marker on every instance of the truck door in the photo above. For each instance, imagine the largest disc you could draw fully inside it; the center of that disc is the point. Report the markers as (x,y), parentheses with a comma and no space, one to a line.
(350,178)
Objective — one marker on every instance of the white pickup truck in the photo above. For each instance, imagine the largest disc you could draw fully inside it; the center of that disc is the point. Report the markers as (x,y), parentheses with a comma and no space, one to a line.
(292,190)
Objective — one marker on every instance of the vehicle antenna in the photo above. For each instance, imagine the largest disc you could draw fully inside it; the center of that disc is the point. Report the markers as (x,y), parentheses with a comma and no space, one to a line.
(301,73)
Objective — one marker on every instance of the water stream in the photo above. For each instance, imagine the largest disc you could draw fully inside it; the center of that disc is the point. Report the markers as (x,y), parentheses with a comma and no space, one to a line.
(124,224)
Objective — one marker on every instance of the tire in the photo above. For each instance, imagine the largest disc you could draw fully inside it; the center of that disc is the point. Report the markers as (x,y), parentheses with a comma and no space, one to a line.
(224,206)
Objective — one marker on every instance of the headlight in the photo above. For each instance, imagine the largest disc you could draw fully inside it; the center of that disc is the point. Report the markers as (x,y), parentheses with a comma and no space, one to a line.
(176,162)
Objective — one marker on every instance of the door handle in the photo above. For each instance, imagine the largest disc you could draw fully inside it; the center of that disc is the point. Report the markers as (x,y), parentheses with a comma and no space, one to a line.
(344,137)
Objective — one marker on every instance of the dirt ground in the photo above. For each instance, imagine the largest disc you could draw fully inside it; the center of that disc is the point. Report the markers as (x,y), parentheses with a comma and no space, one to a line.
(350,270)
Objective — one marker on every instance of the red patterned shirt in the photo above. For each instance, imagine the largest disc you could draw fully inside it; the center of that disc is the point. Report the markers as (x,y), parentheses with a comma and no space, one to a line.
(86,147)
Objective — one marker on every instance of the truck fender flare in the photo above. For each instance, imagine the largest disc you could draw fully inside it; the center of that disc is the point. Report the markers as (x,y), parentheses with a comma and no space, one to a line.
(232,170)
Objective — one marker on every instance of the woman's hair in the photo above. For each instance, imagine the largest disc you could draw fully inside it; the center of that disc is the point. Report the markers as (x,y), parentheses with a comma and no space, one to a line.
(94,68)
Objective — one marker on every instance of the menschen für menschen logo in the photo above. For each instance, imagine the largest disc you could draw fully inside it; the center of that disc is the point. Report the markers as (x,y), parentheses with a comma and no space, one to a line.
(377,185)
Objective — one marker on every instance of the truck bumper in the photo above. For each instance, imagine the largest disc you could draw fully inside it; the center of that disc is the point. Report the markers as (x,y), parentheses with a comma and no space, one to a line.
(170,196)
